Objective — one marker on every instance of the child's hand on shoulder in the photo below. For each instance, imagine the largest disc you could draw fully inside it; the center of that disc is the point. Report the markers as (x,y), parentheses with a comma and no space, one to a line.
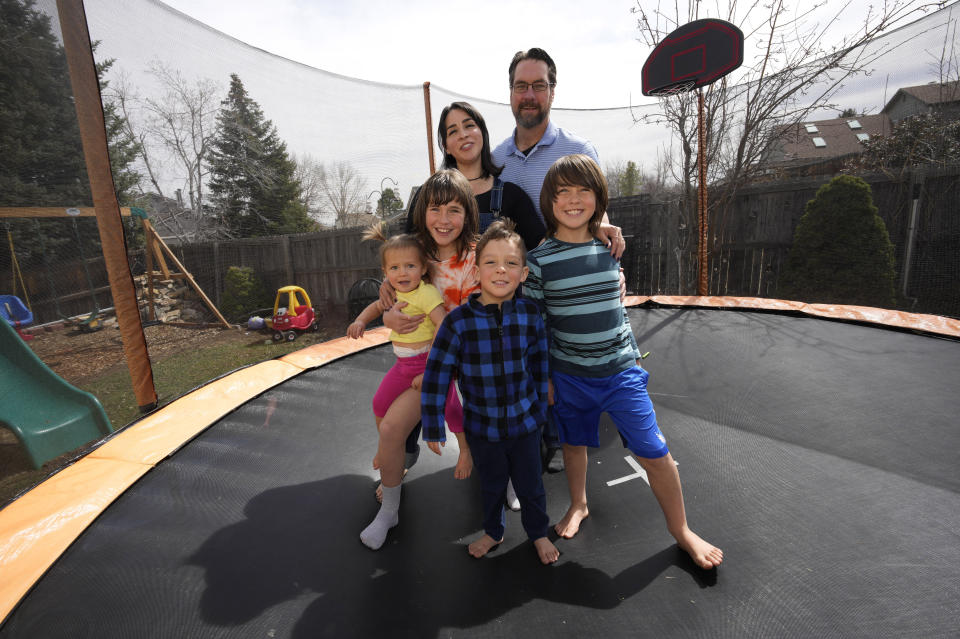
(417,382)
(435,446)
(355,330)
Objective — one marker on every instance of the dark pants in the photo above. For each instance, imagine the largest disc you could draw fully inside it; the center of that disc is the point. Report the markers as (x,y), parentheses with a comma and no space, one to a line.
(551,436)
(412,443)
(519,460)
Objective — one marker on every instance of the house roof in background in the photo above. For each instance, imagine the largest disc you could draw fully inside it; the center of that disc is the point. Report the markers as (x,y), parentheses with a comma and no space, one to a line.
(932,93)
(823,139)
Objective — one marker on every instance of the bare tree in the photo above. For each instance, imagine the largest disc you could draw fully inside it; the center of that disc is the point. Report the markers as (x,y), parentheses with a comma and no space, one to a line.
(174,130)
(788,73)
(311,174)
(344,193)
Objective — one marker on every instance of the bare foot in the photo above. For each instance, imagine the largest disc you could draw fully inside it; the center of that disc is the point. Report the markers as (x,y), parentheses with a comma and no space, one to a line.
(570,524)
(703,553)
(464,465)
(482,546)
(547,552)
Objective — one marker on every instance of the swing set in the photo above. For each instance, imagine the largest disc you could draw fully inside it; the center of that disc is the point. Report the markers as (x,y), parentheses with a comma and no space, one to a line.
(157,255)
(12,308)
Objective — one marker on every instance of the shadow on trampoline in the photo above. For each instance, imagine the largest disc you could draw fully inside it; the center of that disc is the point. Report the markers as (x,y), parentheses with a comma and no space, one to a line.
(423,580)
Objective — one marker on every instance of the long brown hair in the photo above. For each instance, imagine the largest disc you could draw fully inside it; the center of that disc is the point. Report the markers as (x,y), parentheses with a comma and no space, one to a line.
(446,185)
(486,155)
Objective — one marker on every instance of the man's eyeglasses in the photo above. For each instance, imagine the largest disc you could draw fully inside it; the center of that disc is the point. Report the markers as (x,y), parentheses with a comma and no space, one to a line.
(538,87)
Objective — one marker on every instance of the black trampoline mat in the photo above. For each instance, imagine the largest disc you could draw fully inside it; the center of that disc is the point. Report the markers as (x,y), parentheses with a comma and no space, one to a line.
(821,456)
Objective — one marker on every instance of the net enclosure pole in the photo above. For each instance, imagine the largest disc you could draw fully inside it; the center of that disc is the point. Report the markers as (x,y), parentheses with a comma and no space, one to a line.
(427,111)
(86,92)
(702,283)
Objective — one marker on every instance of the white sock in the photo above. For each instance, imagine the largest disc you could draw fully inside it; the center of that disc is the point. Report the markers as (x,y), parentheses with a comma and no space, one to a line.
(512,502)
(387,517)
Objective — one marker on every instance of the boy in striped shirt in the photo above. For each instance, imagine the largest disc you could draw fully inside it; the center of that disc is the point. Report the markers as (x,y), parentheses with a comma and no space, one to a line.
(497,347)
(594,360)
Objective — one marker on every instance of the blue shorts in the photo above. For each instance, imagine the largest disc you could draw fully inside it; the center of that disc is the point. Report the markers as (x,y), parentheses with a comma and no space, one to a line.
(580,400)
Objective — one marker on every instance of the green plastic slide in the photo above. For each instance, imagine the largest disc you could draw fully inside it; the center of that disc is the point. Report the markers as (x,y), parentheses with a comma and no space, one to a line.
(49,416)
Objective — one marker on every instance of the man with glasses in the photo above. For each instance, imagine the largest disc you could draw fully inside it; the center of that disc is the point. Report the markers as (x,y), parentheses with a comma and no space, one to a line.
(537,142)
(526,156)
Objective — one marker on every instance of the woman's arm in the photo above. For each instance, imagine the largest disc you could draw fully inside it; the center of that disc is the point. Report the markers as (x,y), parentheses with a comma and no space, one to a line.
(611,237)
(436,316)
(393,318)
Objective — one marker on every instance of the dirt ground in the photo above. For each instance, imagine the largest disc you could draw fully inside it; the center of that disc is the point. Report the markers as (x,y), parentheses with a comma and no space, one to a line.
(75,356)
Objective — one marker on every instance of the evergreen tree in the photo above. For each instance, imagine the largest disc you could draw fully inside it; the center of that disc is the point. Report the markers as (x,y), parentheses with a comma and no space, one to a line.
(252,183)
(630,180)
(389,204)
(41,156)
(841,250)
(41,163)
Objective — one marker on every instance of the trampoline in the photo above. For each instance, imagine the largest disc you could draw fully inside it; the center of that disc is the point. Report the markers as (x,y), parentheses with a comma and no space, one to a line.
(822,456)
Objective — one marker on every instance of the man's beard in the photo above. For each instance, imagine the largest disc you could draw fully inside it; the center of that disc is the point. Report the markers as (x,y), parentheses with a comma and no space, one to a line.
(528,120)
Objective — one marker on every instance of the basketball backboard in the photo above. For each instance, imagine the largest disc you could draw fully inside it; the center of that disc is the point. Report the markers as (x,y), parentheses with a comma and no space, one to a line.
(693,55)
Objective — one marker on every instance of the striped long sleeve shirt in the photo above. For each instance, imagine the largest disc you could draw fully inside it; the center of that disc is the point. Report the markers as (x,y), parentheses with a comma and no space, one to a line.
(578,289)
(499,356)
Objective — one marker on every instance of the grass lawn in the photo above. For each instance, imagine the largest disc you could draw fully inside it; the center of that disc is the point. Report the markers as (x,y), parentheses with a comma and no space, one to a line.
(181,361)
(185,371)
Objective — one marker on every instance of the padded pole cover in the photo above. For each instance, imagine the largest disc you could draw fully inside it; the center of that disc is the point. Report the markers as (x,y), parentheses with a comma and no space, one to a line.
(86,92)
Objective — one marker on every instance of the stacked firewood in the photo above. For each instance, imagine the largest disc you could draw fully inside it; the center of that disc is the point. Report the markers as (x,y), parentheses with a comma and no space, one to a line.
(173,300)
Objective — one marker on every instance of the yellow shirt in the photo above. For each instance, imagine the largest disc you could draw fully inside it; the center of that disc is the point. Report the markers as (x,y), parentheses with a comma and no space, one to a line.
(422,299)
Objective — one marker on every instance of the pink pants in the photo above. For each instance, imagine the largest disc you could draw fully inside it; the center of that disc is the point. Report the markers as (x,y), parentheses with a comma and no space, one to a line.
(398,379)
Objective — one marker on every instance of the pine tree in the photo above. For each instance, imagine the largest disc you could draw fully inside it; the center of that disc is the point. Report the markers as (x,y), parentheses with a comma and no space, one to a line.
(389,204)
(41,154)
(630,180)
(252,184)
(41,162)
(841,250)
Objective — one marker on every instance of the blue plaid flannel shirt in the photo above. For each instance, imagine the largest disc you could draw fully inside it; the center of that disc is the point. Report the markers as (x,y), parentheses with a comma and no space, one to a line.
(500,359)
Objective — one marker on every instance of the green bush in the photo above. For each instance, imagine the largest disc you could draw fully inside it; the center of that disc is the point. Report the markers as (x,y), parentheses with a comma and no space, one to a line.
(243,292)
(841,250)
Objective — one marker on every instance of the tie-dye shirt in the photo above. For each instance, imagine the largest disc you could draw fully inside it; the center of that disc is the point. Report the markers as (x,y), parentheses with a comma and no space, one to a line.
(455,279)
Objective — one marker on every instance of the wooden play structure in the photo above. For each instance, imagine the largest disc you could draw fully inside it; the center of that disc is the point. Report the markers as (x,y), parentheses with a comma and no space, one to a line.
(157,251)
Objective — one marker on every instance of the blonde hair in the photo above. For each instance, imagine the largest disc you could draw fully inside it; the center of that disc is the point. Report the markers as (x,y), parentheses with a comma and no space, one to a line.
(446,185)
(404,241)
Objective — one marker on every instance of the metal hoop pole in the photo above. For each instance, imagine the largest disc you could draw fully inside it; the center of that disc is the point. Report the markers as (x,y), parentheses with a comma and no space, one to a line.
(702,285)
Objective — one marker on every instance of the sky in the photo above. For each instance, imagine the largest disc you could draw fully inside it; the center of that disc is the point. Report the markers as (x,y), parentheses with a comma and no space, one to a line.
(343,82)
(466,47)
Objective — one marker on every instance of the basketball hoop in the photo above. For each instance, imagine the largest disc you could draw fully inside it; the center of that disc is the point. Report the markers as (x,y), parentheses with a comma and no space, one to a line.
(675,89)
(692,56)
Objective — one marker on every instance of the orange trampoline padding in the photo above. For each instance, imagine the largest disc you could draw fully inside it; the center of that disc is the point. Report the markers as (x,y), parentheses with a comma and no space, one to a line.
(158,435)
(881,316)
(320,354)
(38,527)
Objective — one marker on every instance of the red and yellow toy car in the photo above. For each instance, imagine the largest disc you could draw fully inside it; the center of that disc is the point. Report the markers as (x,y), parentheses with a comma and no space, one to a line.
(295,317)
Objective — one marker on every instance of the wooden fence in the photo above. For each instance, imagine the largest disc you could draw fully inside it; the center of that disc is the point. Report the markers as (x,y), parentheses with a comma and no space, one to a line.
(750,248)
(750,245)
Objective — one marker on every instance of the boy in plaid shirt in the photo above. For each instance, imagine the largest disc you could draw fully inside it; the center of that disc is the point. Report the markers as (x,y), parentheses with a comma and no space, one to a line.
(496,346)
